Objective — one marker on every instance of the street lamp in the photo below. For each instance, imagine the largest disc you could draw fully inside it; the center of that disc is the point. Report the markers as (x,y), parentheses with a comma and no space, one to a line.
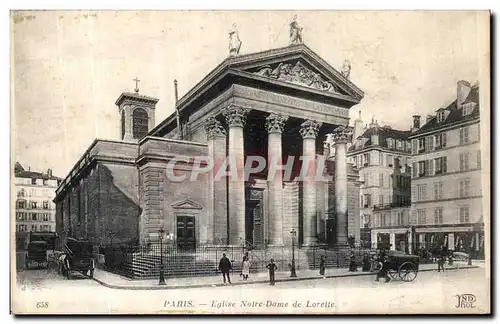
(293,274)
(162,275)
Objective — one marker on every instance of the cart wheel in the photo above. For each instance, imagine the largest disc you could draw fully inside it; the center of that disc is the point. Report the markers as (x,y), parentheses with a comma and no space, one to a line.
(408,271)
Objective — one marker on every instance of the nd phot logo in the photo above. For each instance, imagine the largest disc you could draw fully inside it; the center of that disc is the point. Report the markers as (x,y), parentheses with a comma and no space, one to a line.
(465,301)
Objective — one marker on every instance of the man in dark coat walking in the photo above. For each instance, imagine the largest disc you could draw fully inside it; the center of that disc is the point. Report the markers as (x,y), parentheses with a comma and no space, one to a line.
(224,267)
(272,269)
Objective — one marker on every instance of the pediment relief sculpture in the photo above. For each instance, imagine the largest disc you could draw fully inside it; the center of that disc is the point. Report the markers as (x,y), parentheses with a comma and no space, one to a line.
(298,74)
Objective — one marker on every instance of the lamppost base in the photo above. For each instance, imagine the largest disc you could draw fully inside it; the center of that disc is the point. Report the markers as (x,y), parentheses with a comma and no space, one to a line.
(293,274)
(162,283)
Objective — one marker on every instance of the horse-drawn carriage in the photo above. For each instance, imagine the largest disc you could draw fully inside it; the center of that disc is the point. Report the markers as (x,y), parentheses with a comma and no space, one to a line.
(400,265)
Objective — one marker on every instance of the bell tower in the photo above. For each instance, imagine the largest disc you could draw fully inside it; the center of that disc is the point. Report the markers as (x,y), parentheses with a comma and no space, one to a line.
(137,114)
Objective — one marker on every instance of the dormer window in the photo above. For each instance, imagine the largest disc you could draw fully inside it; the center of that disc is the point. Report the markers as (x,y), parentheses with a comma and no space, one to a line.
(467,108)
(390,143)
(441,116)
(398,144)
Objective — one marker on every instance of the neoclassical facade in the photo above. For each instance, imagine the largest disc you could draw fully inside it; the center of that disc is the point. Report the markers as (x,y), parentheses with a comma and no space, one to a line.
(279,106)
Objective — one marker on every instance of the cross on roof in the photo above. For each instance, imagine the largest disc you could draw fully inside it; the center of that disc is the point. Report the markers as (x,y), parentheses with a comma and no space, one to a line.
(136,84)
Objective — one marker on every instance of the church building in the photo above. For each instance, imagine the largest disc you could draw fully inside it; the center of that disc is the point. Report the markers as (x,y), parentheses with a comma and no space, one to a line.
(285,104)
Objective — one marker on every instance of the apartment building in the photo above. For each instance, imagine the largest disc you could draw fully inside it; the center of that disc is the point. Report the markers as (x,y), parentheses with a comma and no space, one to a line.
(446,204)
(35,211)
(382,156)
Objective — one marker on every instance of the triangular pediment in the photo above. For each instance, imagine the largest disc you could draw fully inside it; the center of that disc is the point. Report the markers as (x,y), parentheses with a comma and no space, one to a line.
(300,73)
(186,204)
(300,66)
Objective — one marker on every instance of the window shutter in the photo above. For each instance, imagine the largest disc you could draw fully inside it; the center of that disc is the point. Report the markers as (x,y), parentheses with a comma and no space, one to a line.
(427,169)
(430,143)
(413,217)
(461,136)
(461,161)
(414,146)
(466,161)
(479,159)
(431,167)
(443,139)
(444,164)
(414,169)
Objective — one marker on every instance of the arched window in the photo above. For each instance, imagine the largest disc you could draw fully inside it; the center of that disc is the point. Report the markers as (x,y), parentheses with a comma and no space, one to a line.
(140,123)
(123,124)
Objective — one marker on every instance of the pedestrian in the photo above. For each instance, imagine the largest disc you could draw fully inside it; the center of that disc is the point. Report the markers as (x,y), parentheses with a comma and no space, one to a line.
(383,273)
(353,267)
(245,268)
(224,267)
(366,262)
(441,261)
(272,269)
(322,265)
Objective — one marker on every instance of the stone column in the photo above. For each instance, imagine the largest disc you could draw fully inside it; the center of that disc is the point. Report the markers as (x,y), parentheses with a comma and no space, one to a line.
(451,241)
(275,124)
(410,242)
(217,202)
(392,240)
(236,118)
(341,136)
(309,130)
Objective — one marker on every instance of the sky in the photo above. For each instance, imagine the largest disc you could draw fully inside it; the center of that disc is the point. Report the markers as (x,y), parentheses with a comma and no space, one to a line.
(69,67)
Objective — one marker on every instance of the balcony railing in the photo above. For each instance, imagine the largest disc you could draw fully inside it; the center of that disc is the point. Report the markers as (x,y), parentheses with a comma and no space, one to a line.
(391,205)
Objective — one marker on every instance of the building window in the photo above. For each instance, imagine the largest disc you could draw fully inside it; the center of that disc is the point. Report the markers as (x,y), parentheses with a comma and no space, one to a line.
(45,182)
(438,190)
(21,193)
(400,219)
(440,116)
(45,217)
(421,168)
(366,159)
(390,160)
(390,143)
(464,135)
(479,159)
(438,215)
(464,161)
(33,181)
(429,143)
(464,186)
(438,140)
(440,165)
(464,214)
(381,199)
(34,228)
(381,180)
(414,146)
(421,192)
(33,205)
(123,124)
(368,200)
(421,217)
(421,144)
(33,216)
(383,220)
(139,123)
(45,205)
(21,204)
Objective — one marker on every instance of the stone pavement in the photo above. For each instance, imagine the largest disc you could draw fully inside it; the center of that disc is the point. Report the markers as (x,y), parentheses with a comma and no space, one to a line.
(115,281)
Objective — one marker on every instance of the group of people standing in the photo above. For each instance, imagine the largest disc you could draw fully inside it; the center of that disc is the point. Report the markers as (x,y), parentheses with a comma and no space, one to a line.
(225,266)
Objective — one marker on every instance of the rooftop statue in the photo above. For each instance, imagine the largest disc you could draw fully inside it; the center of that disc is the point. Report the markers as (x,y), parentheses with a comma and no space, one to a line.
(346,69)
(295,31)
(234,42)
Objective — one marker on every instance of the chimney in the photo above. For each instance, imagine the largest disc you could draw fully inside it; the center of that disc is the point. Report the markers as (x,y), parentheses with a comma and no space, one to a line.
(463,90)
(416,123)
(428,118)
(49,172)
(358,127)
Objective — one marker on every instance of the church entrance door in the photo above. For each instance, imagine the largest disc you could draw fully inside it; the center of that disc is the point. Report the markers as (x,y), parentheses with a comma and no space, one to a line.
(186,238)
(254,232)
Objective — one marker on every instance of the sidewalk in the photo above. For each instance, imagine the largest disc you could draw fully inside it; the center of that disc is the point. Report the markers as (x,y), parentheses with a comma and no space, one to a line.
(115,281)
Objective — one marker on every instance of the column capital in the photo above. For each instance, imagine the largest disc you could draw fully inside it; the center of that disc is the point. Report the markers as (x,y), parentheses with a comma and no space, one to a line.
(309,129)
(341,135)
(214,128)
(275,123)
(236,116)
